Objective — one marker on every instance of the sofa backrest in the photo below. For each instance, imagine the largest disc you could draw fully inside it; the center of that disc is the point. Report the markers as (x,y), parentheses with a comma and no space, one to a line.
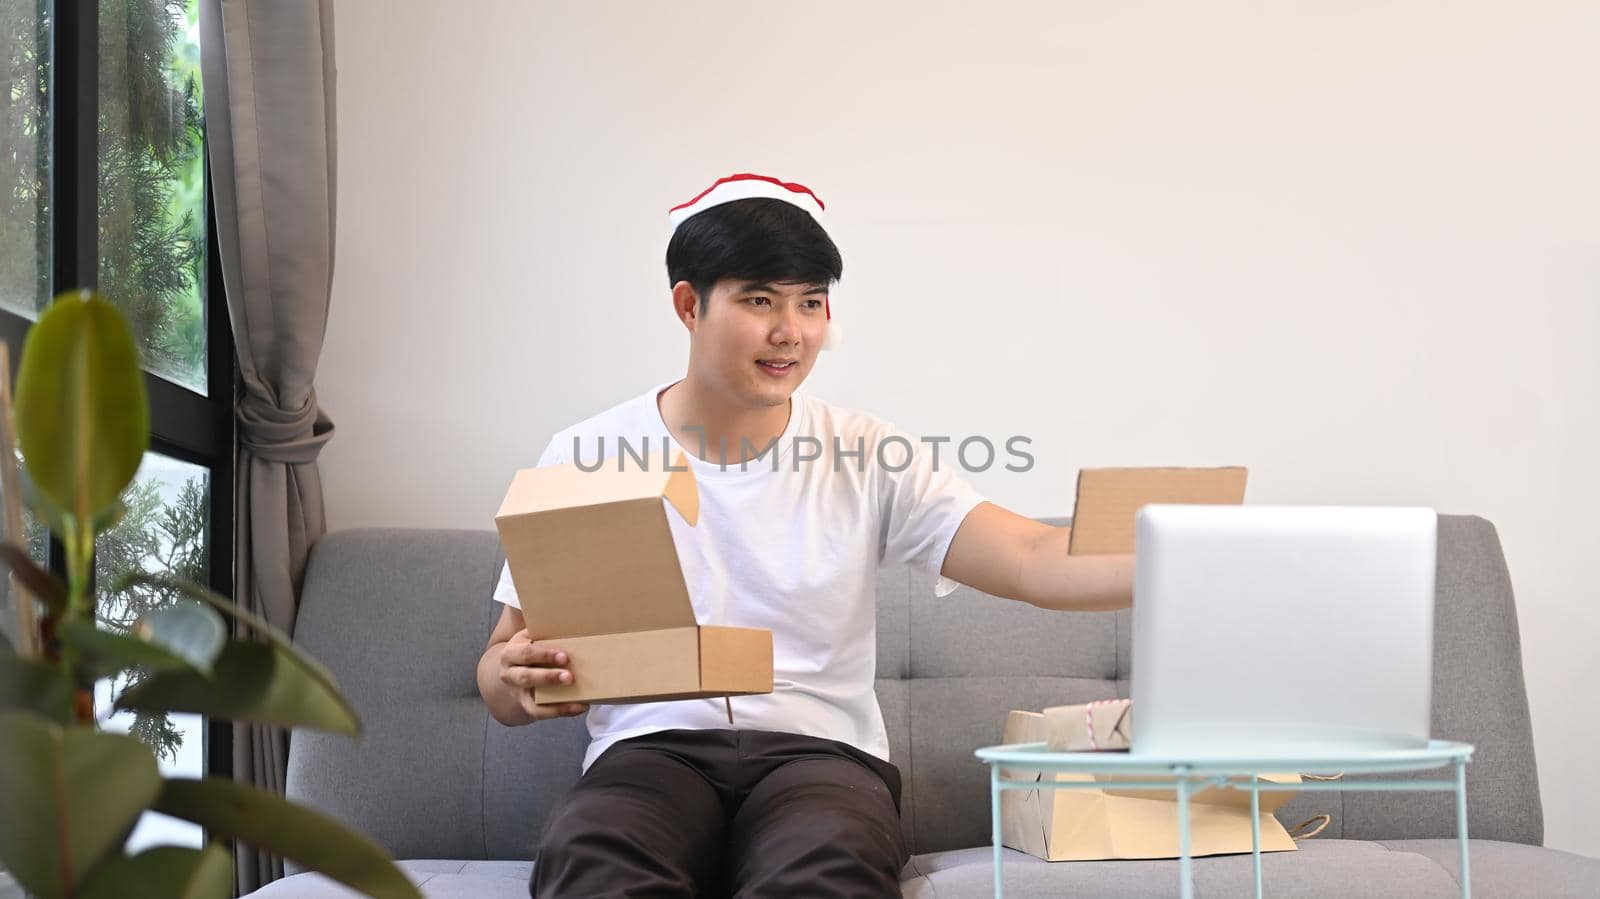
(401,617)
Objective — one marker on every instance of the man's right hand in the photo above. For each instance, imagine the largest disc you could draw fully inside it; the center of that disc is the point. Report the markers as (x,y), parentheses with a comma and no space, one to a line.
(513,665)
(525,665)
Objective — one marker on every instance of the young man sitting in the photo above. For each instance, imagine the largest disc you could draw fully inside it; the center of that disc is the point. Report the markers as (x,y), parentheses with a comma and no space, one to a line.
(801,799)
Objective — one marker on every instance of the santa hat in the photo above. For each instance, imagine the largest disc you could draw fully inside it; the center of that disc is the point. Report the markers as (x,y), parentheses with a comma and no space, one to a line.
(744,186)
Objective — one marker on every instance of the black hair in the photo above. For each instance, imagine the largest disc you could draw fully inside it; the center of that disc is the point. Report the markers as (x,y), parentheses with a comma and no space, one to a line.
(754,239)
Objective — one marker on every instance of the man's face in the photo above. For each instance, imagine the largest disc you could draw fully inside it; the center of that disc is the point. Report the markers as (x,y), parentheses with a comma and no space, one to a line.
(758,340)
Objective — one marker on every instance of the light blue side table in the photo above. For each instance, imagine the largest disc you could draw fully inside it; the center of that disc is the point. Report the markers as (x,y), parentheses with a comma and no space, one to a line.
(1190,775)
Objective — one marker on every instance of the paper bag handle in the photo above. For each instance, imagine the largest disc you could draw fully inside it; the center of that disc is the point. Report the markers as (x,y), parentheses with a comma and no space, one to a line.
(1297,837)
(1326,819)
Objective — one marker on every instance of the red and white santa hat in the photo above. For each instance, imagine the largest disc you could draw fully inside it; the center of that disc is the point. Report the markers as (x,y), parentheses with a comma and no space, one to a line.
(745,185)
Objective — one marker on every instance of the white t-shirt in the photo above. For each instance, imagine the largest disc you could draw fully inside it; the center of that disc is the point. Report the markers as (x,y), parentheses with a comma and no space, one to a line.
(792,551)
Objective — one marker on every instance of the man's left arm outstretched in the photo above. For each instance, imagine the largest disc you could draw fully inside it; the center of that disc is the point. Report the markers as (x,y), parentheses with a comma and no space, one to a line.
(1005,554)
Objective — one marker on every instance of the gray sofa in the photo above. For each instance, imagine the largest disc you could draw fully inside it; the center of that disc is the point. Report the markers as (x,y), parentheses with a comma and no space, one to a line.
(401,616)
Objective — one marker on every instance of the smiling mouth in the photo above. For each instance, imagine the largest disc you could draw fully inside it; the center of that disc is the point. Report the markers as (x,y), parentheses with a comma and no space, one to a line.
(778,366)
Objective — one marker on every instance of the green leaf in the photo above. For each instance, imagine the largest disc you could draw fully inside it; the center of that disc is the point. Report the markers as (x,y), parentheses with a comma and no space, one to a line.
(70,796)
(189,630)
(39,582)
(105,653)
(226,606)
(83,422)
(165,872)
(251,681)
(223,604)
(33,685)
(108,518)
(271,822)
(43,508)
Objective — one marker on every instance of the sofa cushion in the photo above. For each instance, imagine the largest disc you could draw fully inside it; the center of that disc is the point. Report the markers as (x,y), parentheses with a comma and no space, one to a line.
(1512,869)
(1338,869)
(438,879)
(400,617)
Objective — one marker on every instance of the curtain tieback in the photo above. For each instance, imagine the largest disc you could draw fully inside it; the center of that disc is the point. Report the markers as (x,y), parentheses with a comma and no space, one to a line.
(290,436)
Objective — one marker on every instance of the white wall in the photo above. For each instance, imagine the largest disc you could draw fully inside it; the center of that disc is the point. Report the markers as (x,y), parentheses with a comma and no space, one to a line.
(1352,245)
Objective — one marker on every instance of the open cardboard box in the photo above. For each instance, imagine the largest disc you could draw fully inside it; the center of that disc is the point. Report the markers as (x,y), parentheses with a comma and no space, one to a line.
(1109,499)
(597,573)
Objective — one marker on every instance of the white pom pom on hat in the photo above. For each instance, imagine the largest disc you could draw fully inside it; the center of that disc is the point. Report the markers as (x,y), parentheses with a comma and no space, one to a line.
(746,185)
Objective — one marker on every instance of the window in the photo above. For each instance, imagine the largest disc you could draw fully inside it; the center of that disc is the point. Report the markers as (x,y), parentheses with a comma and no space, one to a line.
(24,159)
(151,184)
(102,155)
(164,530)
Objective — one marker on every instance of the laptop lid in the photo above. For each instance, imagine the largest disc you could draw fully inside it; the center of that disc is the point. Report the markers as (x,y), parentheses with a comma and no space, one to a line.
(1282,629)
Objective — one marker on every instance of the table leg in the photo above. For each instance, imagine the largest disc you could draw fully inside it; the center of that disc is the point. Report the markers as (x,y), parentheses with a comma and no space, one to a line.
(1461,827)
(1255,830)
(1185,872)
(994,806)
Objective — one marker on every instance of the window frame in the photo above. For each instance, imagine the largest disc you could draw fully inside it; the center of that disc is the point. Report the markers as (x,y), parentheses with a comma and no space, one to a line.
(184,425)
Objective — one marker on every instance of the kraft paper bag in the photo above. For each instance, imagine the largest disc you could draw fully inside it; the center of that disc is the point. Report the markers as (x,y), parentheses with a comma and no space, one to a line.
(1090,824)
(1091,727)
(1107,725)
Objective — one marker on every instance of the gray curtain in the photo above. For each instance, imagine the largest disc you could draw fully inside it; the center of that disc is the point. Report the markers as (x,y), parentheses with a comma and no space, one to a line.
(268,71)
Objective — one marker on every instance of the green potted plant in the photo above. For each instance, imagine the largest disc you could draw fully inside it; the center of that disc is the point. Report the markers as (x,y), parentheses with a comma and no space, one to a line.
(70,793)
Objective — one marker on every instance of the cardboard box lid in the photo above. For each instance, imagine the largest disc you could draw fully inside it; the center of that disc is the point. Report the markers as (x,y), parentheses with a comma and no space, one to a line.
(591,552)
(1108,498)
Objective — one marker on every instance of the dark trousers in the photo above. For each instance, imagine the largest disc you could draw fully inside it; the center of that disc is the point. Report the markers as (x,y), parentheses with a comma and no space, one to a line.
(726,813)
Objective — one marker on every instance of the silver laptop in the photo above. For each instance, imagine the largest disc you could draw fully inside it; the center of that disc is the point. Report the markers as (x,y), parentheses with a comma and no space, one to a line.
(1282,630)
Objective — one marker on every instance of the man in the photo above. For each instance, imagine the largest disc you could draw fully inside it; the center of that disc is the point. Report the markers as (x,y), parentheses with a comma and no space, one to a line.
(799,799)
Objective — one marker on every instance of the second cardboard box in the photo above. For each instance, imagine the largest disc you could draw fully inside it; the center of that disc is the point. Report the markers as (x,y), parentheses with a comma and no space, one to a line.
(597,573)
